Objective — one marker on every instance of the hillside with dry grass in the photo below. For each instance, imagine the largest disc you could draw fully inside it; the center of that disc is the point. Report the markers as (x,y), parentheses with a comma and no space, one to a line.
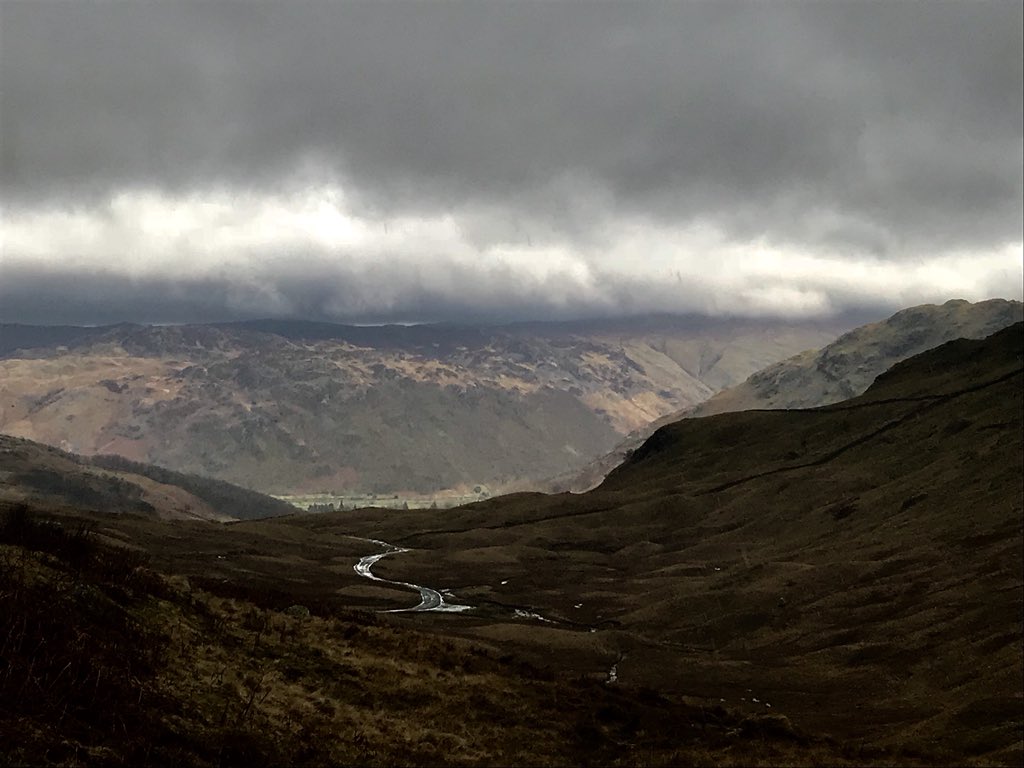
(106,662)
(857,567)
(41,475)
(839,585)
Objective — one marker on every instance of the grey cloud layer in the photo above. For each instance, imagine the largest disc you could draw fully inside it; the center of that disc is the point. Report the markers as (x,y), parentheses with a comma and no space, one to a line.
(905,117)
(324,289)
(313,287)
(875,131)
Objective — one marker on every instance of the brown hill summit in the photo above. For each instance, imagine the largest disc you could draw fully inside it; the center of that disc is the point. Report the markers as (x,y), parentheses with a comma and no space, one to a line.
(843,369)
(285,406)
(40,475)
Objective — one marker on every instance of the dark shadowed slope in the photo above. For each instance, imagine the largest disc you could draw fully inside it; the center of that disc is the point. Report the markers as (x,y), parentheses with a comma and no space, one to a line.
(108,662)
(859,566)
(41,475)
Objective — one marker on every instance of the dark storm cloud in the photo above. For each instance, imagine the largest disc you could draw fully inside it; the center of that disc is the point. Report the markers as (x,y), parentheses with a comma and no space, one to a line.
(320,288)
(719,157)
(318,285)
(905,117)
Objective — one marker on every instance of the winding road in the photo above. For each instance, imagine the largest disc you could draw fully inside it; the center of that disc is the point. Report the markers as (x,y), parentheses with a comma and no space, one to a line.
(430,599)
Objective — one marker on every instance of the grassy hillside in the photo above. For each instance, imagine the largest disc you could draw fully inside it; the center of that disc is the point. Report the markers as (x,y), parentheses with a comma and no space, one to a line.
(826,586)
(39,474)
(108,663)
(858,567)
(231,500)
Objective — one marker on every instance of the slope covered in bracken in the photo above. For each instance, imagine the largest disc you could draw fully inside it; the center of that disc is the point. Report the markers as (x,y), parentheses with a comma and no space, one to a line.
(42,475)
(827,586)
(107,661)
(857,566)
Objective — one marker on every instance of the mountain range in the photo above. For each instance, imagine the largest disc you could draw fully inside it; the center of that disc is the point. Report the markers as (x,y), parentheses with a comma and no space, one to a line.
(300,407)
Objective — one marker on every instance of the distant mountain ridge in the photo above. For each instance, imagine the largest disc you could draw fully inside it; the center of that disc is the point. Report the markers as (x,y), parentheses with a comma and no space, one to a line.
(842,369)
(291,406)
(849,365)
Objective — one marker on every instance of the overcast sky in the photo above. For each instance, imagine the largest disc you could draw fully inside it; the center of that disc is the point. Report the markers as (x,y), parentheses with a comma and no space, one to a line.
(401,161)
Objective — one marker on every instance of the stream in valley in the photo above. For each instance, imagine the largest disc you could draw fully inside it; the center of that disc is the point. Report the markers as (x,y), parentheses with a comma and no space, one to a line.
(430,599)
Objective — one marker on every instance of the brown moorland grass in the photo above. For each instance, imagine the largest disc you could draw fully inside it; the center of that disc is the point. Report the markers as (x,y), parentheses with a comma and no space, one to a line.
(859,568)
(107,663)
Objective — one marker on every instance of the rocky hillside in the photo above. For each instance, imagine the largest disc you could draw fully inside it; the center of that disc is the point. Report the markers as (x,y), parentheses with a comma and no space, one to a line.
(847,367)
(843,369)
(305,407)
